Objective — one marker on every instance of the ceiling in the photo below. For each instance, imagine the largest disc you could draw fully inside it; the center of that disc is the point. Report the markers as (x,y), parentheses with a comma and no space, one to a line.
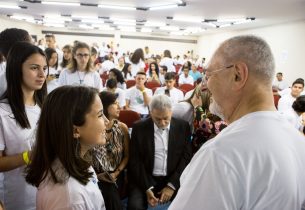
(189,17)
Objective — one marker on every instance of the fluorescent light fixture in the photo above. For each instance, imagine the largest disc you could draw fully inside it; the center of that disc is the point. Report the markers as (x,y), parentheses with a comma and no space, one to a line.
(146,30)
(242,22)
(60,3)
(211,24)
(48,20)
(54,25)
(57,17)
(96,21)
(122,20)
(126,28)
(170,28)
(85,26)
(8,6)
(188,19)
(225,25)
(170,6)
(194,30)
(104,6)
(152,23)
(124,23)
(230,20)
(100,26)
(84,17)
(22,17)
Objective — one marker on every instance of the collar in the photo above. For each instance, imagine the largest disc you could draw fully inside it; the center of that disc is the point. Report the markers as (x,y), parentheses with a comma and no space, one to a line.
(157,128)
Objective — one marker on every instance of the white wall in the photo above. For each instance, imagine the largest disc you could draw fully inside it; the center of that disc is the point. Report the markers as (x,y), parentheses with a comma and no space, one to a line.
(287,42)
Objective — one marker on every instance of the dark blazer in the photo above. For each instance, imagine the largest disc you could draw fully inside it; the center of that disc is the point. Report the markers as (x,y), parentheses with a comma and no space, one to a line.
(142,150)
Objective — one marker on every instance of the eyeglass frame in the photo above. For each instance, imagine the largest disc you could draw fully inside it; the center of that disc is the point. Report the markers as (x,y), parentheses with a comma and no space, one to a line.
(80,55)
(217,70)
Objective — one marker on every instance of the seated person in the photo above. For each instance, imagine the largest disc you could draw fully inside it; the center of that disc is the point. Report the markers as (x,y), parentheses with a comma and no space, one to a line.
(153,73)
(195,73)
(286,101)
(111,86)
(169,89)
(160,149)
(117,74)
(280,84)
(163,70)
(185,78)
(138,96)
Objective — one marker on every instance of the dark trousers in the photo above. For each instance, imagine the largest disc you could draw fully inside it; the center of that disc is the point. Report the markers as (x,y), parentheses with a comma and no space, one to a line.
(111,195)
(137,199)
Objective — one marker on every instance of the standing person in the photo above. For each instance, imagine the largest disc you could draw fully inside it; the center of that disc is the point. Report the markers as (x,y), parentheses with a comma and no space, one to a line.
(111,159)
(159,151)
(257,162)
(168,61)
(138,96)
(51,43)
(80,71)
(8,38)
(71,122)
(52,59)
(137,61)
(19,112)
(67,56)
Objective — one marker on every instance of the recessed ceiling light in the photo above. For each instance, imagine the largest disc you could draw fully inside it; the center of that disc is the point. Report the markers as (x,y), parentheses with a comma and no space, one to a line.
(115,7)
(170,6)
(188,19)
(60,3)
(8,6)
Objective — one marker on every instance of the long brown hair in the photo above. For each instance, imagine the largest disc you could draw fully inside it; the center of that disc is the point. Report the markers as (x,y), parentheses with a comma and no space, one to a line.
(64,108)
(72,66)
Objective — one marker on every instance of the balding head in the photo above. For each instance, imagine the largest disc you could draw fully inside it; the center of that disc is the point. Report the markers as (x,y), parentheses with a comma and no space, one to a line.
(253,51)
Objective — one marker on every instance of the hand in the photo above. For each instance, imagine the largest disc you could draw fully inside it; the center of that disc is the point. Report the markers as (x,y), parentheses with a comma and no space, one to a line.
(166,194)
(114,176)
(151,199)
(196,101)
(50,78)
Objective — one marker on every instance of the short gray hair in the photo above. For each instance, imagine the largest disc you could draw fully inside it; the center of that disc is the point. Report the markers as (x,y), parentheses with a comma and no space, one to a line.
(252,50)
(160,102)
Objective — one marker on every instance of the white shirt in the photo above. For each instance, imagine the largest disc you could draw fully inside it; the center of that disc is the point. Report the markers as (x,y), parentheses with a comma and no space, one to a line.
(288,91)
(281,85)
(60,55)
(137,67)
(3,84)
(169,63)
(79,78)
(161,149)
(121,96)
(71,195)
(256,163)
(184,111)
(186,80)
(52,84)
(176,95)
(293,118)
(285,103)
(15,140)
(106,66)
(136,99)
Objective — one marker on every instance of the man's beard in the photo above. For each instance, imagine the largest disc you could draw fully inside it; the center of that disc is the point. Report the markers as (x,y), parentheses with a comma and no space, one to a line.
(216,109)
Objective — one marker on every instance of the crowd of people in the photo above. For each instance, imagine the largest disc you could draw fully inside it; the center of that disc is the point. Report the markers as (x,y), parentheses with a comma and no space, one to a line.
(209,136)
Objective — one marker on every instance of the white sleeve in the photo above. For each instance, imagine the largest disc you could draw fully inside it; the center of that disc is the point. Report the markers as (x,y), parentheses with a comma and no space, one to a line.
(180,81)
(281,104)
(180,95)
(122,99)
(208,183)
(128,94)
(2,141)
(97,82)
(62,80)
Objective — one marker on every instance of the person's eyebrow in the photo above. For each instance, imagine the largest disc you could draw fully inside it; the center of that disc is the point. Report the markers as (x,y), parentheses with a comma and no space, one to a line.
(100,112)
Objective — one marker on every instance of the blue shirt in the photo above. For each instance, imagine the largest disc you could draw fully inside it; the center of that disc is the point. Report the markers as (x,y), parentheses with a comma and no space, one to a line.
(196,75)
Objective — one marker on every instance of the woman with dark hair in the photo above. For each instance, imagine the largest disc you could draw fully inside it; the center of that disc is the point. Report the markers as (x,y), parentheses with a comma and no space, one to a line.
(52,60)
(127,72)
(67,56)
(71,123)
(137,61)
(117,74)
(19,112)
(153,73)
(80,70)
(111,159)
(168,61)
(296,114)
(111,86)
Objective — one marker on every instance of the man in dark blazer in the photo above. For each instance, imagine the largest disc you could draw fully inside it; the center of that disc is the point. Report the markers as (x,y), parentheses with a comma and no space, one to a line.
(160,149)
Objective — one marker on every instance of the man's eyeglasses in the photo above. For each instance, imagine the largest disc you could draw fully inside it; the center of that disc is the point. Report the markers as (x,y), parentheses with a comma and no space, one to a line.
(209,73)
(80,55)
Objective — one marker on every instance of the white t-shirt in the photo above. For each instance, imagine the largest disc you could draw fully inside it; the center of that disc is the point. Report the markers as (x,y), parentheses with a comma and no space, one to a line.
(281,85)
(72,195)
(60,55)
(169,63)
(186,80)
(3,84)
(288,91)
(15,140)
(136,99)
(121,96)
(176,95)
(285,103)
(53,84)
(256,163)
(78,78)
(293,118)
(137,67)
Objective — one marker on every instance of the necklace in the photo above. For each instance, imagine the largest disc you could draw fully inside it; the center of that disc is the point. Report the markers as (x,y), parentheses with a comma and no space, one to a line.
(81,80)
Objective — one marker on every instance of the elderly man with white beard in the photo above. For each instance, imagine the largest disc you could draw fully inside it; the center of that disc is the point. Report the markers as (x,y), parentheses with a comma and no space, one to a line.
(258,161)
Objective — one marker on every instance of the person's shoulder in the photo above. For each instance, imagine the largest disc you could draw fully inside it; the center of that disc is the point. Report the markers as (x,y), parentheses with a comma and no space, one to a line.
(178,121)
(123,126)
(143,123)
(5,108)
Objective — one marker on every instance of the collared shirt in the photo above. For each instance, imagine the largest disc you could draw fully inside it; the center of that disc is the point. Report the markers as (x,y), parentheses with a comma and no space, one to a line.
(175,94)
(161,148)
(185,80)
